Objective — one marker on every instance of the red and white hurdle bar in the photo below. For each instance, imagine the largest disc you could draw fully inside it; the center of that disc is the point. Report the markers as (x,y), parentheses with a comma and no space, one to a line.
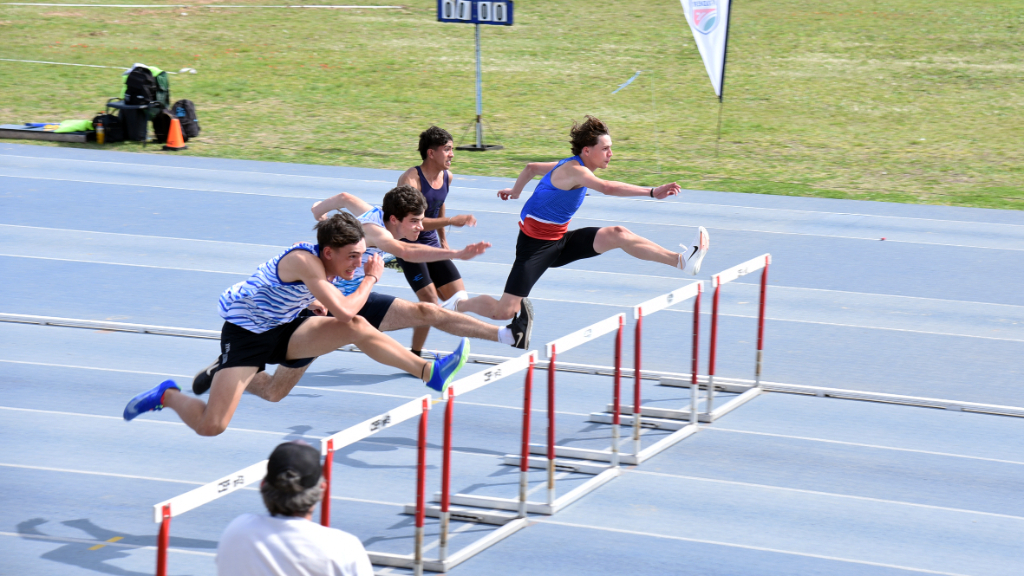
(164,511)
(602,473)
(510,523)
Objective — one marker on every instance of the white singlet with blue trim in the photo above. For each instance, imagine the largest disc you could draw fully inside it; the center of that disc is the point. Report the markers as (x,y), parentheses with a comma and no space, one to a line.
(375,217)
(264,302)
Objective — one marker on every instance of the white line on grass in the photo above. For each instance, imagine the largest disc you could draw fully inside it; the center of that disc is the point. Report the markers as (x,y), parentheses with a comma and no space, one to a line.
(829,494)
(861,445)
(745,547)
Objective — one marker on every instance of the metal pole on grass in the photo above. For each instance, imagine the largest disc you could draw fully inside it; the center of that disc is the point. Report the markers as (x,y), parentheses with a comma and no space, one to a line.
(479,94)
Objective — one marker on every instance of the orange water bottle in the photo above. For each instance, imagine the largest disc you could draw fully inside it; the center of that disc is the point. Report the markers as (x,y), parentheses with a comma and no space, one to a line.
(99,133)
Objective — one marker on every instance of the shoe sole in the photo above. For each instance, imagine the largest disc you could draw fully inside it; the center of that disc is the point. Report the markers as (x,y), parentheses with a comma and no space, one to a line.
(200,373)
(528,307)
(462,362)
(702,249)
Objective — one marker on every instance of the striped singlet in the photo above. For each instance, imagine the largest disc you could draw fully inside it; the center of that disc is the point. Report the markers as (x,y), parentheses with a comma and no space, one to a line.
(264,302)
(547,213)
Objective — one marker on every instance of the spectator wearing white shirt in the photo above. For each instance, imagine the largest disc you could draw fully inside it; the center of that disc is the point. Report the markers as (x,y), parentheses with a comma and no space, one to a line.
(286,542)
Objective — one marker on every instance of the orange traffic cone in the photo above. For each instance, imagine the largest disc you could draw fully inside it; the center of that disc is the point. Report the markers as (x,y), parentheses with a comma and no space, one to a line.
(175,141)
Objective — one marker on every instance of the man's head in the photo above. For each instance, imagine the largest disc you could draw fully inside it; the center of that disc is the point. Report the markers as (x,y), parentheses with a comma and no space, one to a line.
(294,483)
(436,146)
(403,209)
(591,142)
(341,244)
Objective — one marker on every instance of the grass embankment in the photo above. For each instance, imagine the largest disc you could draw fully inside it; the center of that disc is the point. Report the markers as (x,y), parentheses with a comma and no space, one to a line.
(907,100)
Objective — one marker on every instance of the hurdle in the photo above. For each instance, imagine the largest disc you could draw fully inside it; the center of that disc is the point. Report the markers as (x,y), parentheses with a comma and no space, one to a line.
(164,511)
(654,417)
(509,523)
(710,413)
(602,473)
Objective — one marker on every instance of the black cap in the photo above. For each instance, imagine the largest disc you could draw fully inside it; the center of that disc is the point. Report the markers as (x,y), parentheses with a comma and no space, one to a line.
(300,457)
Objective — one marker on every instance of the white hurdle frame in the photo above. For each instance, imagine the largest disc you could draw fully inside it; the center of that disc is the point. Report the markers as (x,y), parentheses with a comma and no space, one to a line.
(509,523)
(164,511)
(603,473)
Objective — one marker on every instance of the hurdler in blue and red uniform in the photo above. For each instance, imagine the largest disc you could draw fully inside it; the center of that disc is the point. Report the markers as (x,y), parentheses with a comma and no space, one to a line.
(545,240)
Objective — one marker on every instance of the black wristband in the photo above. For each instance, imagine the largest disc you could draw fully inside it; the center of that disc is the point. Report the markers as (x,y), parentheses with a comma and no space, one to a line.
(652,192)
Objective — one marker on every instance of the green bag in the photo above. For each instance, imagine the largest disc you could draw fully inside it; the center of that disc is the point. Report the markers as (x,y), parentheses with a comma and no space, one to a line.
(74,126)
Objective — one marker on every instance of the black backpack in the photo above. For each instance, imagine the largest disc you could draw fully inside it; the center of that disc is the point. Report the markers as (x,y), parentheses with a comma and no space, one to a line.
(185,112)
(112,130)
(140,87)
(162,125)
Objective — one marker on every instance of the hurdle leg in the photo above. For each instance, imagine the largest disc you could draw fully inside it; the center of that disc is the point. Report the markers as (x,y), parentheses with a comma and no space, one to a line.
(760,323)
(163,542)
(616,400)
(446,467)
(711,357)
(421,488)
(694,386)
(551,428)
(325,505)
(524,462)
(636,382)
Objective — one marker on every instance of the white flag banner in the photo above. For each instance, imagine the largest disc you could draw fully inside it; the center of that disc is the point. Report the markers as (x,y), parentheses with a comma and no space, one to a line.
(709,21)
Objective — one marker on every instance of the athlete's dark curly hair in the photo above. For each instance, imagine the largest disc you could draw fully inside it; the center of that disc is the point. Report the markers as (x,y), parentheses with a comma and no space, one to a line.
(339,230)
(586,134)
(401,201)
(432,138)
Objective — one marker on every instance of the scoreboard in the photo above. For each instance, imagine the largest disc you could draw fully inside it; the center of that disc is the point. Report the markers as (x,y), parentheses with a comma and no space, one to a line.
(498,13)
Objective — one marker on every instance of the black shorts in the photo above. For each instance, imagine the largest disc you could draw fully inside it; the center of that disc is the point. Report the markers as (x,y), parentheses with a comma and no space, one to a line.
(534,257)
(376,308)
(240,347)
(420,274)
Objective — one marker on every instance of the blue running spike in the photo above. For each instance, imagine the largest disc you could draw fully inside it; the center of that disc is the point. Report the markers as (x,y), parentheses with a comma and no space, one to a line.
(445,367)
(148,401)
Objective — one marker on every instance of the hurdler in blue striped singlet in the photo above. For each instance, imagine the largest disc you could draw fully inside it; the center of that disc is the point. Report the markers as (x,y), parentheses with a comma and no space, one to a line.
(264,302)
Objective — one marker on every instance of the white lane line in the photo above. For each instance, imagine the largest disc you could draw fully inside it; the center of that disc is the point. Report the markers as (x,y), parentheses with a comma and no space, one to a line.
(861,445)
(124,264)
(94,368)
(170,480)
(871,294)
(828,494)
(104,542)
(105,417)
(462,176)
(579,217)
(746,547)
(146,236)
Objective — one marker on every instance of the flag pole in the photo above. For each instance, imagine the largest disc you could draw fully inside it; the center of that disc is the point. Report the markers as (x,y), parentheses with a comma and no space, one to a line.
(721,81)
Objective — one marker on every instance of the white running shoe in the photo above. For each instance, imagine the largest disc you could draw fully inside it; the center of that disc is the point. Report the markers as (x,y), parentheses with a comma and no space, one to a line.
(693,255)
(453,302)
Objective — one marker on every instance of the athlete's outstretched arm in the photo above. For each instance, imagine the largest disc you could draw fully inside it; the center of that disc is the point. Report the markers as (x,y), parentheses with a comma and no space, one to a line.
(380,238)
(345,200)
(582,176)
(532,170)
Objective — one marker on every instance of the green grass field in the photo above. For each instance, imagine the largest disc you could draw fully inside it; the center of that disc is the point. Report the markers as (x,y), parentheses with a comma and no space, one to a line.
(904,101)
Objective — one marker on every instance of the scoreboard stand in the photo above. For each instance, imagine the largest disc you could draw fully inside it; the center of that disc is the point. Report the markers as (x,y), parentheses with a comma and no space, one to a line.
(477,12)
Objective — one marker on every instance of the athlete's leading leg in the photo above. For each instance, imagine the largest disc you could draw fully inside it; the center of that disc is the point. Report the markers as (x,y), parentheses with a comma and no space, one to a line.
(322,334)
(403,314)
(211,418)
(611,237)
